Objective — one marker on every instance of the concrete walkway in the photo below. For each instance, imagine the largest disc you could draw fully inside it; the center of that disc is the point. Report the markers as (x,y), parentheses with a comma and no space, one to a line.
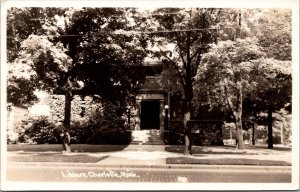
(154,156)
(149,155)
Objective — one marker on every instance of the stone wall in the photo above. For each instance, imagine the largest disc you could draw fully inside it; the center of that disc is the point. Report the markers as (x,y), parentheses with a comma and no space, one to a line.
(81,109)
(203,132)
(207,132)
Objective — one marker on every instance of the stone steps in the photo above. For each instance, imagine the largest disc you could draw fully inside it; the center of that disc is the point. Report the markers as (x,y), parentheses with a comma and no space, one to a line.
(146,137)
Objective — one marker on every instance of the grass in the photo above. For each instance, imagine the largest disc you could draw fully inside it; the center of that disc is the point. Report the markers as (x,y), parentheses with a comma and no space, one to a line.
(58,147)
(56,158)
(205,150)
(230,149)
(225,161)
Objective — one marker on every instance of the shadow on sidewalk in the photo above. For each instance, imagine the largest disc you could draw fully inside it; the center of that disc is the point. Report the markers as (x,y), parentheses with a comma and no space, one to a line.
(59,148)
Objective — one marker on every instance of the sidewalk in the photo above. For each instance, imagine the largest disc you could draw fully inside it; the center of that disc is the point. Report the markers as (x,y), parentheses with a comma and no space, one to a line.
(154,156)
(139,155)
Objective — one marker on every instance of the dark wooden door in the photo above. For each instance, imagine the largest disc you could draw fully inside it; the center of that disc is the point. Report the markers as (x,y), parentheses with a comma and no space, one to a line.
(150,114)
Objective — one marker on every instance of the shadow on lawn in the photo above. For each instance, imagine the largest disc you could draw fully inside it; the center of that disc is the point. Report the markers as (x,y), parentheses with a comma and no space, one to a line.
(82,158)
(227,149)
(275,148)
(205,150)
(59,148)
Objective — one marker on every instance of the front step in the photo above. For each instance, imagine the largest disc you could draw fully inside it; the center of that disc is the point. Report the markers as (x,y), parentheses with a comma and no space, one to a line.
(146,137)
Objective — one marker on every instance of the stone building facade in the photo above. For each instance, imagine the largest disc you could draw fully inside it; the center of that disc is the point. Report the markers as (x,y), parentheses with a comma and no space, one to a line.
(157,110)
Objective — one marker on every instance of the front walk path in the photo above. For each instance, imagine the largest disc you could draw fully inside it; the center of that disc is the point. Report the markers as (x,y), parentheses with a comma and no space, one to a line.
(138,155)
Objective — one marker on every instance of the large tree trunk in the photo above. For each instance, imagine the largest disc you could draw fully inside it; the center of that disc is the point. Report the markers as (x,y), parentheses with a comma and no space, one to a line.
(187,106)
(238,117)
(67,120)
(187,139)
(236,111)
(270,129)
(239,130)
(254,133)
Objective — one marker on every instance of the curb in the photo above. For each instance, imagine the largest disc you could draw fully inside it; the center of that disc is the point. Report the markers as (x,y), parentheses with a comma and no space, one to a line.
(249,168)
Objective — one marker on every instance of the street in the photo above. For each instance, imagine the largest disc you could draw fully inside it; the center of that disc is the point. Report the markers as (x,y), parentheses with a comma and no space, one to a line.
(41,173)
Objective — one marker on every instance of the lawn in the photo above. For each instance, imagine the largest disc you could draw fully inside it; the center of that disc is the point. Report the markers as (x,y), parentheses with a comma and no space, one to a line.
(58,147)
(225,161)
(55,157)
(205,150)
(231,150)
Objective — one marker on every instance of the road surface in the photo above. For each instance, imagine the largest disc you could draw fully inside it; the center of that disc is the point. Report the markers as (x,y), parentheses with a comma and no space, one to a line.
(52,173)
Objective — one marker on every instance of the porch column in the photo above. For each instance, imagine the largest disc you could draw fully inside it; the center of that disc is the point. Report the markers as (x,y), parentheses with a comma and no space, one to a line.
(138,115)
(162,117)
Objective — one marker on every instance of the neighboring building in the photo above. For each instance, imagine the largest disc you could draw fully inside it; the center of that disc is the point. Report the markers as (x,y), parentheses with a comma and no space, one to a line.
(15,115)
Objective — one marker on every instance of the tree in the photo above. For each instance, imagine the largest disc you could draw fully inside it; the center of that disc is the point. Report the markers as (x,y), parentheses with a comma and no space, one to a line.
(21,23)
(83,50)
(226,69)
(48,63)
(272,27)
(103,59)
(277,95)
(19,88)
(181,37)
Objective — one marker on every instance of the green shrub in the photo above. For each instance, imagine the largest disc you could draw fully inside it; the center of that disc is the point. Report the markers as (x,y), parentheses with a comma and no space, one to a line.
(106,126)
(80,132)
(41,131)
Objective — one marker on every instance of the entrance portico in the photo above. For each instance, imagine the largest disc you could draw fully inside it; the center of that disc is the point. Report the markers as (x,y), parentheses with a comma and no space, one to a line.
(150,110)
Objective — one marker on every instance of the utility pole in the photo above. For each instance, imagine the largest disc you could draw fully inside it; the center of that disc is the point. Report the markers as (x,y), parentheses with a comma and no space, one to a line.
(238,30)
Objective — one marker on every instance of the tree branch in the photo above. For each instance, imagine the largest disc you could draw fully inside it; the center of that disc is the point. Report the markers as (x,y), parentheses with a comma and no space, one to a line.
(180,51)
(229,102)
(188,48)
(181,78)
(197,63)
(217,17)
(196,52)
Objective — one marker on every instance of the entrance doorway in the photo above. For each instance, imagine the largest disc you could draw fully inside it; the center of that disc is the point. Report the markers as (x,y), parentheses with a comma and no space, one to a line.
(150,114)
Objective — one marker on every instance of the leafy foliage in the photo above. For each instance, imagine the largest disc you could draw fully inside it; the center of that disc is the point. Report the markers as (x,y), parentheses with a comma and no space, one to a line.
(23,22)
(41,131)
(273,28)
(103,59)
(227,65)
(99,129)
(277,75)
(81,43)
